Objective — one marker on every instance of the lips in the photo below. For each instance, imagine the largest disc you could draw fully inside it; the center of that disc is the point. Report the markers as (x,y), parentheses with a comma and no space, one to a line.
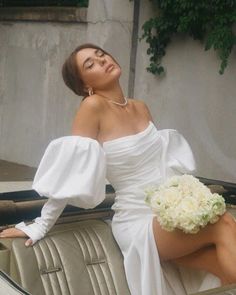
(109,68)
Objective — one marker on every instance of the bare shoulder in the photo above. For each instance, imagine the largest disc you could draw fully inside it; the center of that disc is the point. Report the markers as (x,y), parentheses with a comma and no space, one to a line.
(92,102)
(87,119)
(142,107)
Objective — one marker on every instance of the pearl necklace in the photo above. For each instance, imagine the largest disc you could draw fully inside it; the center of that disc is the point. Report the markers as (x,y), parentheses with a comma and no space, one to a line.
(122,104)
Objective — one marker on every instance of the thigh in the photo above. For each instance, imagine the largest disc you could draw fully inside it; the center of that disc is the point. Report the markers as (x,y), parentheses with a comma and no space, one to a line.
(175,244)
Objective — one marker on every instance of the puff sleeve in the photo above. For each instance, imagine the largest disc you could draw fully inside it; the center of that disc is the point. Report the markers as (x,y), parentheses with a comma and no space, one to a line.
(72,168)
(177,155)
(72,171)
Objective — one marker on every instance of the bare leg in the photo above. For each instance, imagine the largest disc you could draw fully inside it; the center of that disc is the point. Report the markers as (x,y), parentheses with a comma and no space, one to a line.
(204,259)
(222,235)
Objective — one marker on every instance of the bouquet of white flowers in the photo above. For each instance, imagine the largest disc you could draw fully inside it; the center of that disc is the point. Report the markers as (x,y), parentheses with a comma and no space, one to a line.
(185,203)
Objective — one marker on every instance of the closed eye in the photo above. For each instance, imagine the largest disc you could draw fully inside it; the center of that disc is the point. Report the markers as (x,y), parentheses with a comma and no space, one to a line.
(89,64)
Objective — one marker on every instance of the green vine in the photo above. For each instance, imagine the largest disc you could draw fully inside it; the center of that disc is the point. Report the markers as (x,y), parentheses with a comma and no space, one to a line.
(210,21)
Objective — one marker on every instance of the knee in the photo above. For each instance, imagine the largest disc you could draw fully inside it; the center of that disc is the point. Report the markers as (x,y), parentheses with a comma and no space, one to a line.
(226,225)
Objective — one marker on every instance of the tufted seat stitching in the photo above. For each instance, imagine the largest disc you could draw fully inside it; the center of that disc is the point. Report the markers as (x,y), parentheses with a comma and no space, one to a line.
(90,252)
(51,277)
(82,259)
(44,263)
(96,261)
(99,270)
(108,265)
(63,273)
(99,255)
(87,258)
(59,278)
(105,268)
(41,263)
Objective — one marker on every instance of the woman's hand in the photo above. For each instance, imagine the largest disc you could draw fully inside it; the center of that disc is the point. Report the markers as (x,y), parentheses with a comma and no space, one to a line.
(15,233)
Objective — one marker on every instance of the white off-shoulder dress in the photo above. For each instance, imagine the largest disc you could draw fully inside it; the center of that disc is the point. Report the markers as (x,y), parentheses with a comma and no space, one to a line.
(73,171)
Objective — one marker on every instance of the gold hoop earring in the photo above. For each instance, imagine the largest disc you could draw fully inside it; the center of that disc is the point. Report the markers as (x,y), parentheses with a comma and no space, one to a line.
(90,91)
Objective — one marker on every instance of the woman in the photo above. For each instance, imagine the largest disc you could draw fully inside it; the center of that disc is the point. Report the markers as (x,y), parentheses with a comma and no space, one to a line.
(114,137)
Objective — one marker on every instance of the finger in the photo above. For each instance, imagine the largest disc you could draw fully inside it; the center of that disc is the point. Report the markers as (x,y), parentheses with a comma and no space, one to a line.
(28,243)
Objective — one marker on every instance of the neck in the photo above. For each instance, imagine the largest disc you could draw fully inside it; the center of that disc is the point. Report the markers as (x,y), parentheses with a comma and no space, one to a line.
(115,93)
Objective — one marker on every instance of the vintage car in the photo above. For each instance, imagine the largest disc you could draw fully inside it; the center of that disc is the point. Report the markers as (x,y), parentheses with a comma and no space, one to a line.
(79,256)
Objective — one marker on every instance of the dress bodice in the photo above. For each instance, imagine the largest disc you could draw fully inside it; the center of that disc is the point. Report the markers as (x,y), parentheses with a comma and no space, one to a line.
(135,162)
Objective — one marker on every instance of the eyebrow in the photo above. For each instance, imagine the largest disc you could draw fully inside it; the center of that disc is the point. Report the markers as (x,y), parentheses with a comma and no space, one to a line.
(88,59)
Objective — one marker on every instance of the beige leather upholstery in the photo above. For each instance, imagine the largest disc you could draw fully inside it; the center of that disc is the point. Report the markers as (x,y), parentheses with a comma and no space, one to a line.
(75,259)
(78,258)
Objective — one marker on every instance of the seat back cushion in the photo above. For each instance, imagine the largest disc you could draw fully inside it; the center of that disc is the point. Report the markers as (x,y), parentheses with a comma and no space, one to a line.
(80,258)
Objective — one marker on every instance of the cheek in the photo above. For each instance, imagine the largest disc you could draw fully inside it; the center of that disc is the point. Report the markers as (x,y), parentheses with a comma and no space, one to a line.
(94,74)
(88,76)
(93,77)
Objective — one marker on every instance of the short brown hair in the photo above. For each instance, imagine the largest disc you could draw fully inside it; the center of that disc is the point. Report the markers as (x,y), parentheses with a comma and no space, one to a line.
(70,71)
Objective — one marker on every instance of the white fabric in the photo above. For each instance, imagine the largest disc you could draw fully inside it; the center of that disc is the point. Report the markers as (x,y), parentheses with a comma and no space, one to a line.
(73,169)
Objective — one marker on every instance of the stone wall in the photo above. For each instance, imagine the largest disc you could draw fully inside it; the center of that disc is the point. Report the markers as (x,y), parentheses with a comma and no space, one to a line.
(193,98)
(35,105)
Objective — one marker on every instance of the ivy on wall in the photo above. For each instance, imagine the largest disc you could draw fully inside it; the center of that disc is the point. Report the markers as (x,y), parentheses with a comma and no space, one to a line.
(210,21)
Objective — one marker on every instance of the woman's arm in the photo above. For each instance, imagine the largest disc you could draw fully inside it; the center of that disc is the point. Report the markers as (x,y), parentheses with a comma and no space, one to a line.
(51,210)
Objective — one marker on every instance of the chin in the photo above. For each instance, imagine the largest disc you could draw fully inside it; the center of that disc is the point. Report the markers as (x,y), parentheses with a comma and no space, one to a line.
(116,72)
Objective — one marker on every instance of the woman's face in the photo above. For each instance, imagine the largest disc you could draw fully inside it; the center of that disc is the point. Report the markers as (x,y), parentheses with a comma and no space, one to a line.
(97,69)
